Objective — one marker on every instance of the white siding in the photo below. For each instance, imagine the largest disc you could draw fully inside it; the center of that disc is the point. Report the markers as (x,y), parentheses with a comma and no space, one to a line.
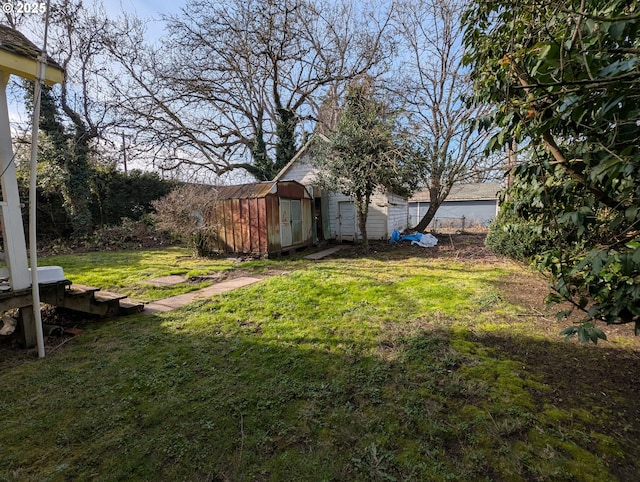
(377,219)
(386,211)
(301,171)
(347,222)
(379,225)
(397,214)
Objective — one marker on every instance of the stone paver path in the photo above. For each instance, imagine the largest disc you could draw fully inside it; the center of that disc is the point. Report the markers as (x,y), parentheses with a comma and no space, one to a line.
(171,280)
(174,302)
(168,304)
(324,253)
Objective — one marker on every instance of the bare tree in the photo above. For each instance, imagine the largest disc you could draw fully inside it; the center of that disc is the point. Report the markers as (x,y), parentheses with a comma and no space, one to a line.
(75,115)
(189,214)
(433,83)
(235,84)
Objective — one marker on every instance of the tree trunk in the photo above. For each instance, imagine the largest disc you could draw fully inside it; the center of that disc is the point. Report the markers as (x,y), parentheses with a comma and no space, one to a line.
(437,197)
(362,209)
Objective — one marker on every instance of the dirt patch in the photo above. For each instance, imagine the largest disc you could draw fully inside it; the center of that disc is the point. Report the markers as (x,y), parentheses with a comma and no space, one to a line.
(529,289)
(467,246)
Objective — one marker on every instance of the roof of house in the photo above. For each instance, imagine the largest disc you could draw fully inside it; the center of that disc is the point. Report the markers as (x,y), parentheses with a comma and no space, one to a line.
(18,55)
(483,191)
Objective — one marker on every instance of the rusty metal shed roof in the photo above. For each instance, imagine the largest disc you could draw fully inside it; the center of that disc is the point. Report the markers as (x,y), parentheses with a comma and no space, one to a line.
(246,191)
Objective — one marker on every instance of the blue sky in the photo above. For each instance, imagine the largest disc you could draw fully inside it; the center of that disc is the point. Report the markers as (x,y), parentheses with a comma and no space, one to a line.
(146,9)
(143,8)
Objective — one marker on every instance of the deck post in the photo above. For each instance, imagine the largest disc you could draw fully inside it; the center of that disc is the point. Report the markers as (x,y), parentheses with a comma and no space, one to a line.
(27,327)
(12,225)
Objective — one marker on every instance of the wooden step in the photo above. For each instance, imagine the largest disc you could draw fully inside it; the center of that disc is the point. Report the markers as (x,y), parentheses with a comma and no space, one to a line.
(79,290)
(105,296)
(130,307)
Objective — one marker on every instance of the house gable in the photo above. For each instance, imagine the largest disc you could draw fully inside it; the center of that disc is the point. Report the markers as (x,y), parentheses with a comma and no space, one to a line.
(387,211)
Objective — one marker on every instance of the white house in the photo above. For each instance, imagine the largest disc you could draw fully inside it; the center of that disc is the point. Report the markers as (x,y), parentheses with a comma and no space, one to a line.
(476,203)
(335,213)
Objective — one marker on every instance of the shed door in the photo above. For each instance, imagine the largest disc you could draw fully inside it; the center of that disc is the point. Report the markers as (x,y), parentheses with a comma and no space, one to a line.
(286,238)
(290,222)
(347,221)
(296,220)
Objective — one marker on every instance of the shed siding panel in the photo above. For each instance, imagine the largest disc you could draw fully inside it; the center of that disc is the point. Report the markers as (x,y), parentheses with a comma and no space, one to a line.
(229,223)
(237,225)
(245,222)
(254,225)
(273,224)
(262,224)
(219,220)
(292,190)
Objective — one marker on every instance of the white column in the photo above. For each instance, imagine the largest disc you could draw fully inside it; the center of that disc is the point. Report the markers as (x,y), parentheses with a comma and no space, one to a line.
(13,229)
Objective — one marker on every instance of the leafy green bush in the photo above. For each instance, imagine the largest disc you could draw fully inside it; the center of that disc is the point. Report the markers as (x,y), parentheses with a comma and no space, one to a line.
(562,80)
(555,223)
(516,238)
(117,195)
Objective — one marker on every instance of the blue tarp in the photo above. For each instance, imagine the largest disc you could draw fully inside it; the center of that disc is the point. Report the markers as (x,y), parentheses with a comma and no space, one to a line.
(424,240)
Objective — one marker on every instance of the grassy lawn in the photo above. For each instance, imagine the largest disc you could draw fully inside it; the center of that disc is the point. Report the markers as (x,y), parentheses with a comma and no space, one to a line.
(388,367)
(128,272)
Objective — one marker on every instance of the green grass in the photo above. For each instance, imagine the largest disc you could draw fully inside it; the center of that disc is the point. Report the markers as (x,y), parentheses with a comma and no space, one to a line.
(127,272)
(358,369)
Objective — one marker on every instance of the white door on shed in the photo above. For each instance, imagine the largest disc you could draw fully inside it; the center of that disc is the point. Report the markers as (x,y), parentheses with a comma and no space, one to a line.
(296,221)
(346,221)
(286,236)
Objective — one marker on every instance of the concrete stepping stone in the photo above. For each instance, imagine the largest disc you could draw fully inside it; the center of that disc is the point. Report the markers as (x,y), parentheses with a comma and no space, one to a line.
(174,302)
(171,280)
(324,253)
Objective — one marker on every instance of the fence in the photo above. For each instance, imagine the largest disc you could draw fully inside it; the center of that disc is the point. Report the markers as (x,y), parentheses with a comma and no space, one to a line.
(449,224)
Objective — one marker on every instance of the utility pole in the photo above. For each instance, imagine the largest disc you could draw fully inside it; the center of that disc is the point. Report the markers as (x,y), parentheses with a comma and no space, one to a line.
(124,154)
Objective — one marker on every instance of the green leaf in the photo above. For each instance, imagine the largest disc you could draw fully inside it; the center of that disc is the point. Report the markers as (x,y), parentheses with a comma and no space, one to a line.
(598,262)
(631,213)
(563,314)
(616,29)
(596,334)
(619,67)
(583,335)
(569,332)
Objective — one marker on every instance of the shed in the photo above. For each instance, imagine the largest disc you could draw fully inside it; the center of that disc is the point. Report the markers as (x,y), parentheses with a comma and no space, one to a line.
(263,217)
(335,213)
(477,203)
